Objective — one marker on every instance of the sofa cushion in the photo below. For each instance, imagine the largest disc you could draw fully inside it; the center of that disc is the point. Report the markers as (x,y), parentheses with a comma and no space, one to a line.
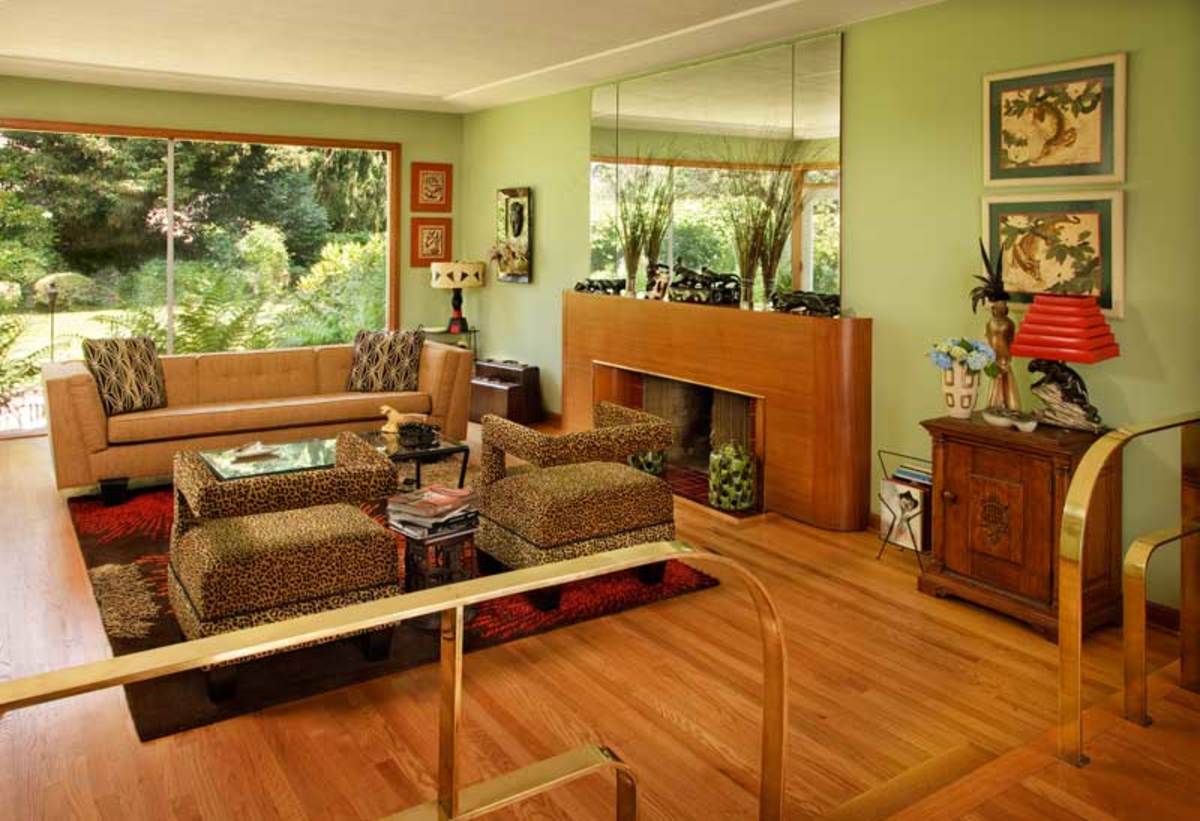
(238,375)
(247,563)
(385,361)
(229,417)
(127,373)
(556,505)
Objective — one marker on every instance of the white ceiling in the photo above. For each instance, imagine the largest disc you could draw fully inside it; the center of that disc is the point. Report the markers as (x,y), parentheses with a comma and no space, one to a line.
(448,55)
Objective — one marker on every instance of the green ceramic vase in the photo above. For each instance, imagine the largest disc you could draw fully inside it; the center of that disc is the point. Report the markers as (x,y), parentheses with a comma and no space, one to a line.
(731,478)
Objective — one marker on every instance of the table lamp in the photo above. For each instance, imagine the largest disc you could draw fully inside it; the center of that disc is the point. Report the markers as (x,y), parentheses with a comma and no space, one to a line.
(457,275)
(1057,330)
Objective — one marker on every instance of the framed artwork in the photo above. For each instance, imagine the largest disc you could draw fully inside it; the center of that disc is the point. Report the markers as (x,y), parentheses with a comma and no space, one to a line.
(432,186)
(1056,124)
(431,241)
(513,251)
(1071,243)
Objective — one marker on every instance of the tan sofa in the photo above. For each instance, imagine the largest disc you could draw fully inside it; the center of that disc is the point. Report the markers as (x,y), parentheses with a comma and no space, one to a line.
(225,399)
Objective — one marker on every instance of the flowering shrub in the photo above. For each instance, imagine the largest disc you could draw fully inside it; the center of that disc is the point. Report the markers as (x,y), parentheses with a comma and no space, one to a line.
(973,354)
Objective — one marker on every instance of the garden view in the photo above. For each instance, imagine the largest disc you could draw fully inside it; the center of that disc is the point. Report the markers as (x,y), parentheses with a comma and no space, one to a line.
(275,245)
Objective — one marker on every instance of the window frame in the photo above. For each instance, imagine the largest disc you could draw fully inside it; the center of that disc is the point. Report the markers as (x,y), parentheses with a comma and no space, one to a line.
(392,149)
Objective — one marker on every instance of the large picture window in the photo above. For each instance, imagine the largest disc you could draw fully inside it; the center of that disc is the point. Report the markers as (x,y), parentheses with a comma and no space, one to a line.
(204,244)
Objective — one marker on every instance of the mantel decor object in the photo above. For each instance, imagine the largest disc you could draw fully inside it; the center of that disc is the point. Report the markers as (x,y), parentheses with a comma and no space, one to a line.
(999,331)
(1057,330)
(513,251)
(961,361)
(456,276)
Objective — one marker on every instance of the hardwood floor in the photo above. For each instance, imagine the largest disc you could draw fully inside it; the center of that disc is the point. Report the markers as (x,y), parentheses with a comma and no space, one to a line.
(673,687)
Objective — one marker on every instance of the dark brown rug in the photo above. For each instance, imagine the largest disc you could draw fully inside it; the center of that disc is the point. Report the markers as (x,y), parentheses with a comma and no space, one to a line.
(125,549)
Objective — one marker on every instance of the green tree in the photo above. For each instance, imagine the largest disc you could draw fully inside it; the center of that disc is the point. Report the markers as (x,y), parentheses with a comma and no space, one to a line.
(606,246)
(264,253)
(340,296)
(96,190)
(352,187)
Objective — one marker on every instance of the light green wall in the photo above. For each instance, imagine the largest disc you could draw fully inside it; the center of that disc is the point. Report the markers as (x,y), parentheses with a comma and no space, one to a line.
(544,144)
(425,137)
(912,178)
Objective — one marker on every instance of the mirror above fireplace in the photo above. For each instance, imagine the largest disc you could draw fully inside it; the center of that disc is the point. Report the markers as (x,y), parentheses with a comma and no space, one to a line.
(726,167)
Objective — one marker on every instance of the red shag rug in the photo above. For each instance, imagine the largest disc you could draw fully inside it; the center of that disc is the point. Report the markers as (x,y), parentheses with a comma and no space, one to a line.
(125,549)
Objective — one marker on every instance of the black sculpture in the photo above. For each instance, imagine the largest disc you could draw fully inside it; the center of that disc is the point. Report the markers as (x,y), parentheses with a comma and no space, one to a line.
(1066,396)
(516,218)
(611,287)
(658,280)
(806,303)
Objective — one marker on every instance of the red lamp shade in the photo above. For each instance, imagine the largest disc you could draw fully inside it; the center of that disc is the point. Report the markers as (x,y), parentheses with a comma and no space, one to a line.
(1066,329)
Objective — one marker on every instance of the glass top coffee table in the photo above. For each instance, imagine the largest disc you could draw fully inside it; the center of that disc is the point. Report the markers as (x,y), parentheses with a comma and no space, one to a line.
(318,454)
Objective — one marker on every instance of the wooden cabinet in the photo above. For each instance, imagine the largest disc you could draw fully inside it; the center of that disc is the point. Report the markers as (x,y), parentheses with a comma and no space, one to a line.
(998,496)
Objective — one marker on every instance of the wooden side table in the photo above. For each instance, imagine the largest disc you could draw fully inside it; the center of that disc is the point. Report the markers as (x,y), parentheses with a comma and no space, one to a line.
(998,496)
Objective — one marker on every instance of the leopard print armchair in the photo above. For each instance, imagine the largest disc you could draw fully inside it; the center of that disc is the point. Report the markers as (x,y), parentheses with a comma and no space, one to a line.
(578,498)
(619,432)
(360,474)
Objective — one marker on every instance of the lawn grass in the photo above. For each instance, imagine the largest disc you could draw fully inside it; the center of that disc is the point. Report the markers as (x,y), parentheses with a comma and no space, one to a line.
(70,329)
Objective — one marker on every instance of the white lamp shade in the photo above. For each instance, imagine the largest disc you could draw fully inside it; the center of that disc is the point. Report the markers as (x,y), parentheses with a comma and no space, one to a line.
(457,274)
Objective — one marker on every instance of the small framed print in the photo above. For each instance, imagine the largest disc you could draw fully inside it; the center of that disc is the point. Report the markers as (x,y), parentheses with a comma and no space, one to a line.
(431,241)
(1056,124)
(1072,243)
(432,186)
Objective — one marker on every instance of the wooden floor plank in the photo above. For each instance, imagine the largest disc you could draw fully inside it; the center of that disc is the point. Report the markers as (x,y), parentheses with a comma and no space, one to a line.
(883,679)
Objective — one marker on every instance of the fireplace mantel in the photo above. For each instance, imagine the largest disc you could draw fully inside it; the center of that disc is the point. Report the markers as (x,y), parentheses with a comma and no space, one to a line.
(812,375)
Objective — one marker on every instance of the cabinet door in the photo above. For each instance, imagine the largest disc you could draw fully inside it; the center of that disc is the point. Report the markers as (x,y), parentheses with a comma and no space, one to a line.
(999,518)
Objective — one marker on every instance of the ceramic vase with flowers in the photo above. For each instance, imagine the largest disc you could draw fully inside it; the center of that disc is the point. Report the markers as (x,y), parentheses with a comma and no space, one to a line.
(961,362)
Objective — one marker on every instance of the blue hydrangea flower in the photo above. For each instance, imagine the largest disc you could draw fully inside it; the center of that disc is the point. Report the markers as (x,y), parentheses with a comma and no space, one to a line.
(985,349)
(942,360)
(977,360)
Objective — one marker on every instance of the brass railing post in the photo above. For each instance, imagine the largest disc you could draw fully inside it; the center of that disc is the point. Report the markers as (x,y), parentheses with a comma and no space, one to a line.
(627,808)
(450,709)
(1133,587)
(1070,578)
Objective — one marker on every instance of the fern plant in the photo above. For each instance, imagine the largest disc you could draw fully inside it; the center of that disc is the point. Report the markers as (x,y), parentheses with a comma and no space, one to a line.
(16,372)
(219,315)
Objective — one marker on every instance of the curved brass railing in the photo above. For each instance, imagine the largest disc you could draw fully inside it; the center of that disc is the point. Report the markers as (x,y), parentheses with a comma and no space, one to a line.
(1070,577)
(1133,625)
(454,801)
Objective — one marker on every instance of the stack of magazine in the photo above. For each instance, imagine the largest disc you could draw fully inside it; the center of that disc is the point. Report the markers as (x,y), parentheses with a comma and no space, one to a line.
(433,512)
(914,474)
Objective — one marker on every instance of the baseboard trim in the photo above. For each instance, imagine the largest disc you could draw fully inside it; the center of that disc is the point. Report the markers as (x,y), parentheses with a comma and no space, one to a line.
(1162,616)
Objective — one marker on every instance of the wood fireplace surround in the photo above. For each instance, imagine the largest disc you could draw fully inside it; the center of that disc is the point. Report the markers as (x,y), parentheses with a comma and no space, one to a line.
(811,378)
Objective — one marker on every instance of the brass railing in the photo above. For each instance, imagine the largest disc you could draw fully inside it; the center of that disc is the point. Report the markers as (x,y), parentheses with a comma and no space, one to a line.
(453,800)
(1070,576)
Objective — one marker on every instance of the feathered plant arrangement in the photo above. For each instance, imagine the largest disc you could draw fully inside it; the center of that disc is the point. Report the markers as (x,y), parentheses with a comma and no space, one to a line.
(991,288)
(645,197)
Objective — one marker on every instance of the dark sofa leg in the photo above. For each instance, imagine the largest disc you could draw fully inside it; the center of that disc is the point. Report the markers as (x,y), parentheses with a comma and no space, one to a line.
(547,599)
(114,491)
(377,645)
(222,682)
(651,574)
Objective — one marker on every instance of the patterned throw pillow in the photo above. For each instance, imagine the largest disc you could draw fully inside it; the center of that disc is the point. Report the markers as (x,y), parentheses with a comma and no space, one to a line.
(128,373)
(386,361)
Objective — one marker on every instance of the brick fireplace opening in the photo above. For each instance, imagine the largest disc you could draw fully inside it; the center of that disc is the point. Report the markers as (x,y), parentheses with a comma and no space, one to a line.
(703,417)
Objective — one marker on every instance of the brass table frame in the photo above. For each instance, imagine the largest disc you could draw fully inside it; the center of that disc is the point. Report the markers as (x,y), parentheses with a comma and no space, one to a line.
(1070,576)
(453,800)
